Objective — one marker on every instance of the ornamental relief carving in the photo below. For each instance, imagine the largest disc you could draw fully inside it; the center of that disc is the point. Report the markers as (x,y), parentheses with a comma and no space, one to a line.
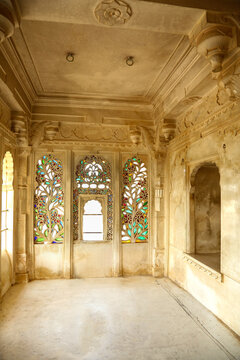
(203,111)
(90,132)
(53,131)
(113,12)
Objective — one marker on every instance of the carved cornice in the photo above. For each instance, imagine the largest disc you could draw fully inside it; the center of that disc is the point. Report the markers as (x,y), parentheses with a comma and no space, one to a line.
(202,267)
(106,146)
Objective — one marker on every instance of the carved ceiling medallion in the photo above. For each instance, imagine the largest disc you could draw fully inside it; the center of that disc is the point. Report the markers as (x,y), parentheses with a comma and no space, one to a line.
(113,12)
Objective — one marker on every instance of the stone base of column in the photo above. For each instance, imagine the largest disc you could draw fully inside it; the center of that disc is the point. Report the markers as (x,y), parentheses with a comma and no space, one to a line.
(158,263)
(157,272)
(22,278)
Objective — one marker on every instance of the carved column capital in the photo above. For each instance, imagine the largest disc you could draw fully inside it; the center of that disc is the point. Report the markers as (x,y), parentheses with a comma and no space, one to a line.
(7,24)
(19,127)
(135,134)
(51,130)
(169,128)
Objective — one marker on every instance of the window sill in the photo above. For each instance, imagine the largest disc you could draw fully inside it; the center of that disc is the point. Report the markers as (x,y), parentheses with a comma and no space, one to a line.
(91,242)
(190,259)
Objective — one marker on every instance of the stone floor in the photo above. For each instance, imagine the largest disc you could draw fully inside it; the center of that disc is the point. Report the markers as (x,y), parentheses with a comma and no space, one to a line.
(110,319)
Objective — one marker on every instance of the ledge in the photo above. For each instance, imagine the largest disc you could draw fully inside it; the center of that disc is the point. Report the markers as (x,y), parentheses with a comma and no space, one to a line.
(203,267)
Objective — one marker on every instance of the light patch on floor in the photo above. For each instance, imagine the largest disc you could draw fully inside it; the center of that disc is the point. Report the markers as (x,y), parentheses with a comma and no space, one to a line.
(105,319)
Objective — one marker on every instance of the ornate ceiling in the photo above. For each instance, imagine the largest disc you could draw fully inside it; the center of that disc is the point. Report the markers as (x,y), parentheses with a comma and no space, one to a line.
(180,54)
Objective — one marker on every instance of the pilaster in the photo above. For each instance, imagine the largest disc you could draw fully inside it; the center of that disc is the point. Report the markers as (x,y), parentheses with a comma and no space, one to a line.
(20,128)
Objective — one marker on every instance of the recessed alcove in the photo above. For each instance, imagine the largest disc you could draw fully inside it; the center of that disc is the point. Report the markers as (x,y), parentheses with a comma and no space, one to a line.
(205,215)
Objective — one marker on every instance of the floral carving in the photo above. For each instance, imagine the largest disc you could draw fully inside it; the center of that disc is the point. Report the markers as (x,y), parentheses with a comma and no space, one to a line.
(113,12)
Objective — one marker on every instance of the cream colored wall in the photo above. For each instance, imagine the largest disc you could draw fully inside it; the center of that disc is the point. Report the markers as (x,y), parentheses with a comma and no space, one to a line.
(48,261)
(222,147)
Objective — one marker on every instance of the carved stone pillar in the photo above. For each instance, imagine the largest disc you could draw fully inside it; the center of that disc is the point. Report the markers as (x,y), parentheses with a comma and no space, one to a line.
(6,22)
(20,128)
(159,248)
(22,215)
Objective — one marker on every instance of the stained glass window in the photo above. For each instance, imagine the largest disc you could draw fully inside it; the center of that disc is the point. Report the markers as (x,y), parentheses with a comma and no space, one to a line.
(48,201)
(134,202)
(93,176)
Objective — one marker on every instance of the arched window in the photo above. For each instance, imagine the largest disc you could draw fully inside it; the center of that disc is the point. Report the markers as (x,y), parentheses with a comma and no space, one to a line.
(93,183)
(7,204)
(134,202)
(92,221)
(49,201)
(205,210)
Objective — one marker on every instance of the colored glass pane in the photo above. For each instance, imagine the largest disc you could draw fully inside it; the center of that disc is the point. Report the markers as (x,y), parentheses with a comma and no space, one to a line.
(93,176)
(134,202)
(48,201)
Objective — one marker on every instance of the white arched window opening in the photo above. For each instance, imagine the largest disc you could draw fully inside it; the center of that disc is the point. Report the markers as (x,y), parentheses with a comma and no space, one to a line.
(92,221)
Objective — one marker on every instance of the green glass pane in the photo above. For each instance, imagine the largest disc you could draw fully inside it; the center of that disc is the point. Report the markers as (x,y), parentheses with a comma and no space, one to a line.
(145,232)
(141,238)
(129,233)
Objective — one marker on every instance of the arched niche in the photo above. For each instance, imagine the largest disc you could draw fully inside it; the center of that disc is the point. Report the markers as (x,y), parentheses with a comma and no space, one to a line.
(205,214)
